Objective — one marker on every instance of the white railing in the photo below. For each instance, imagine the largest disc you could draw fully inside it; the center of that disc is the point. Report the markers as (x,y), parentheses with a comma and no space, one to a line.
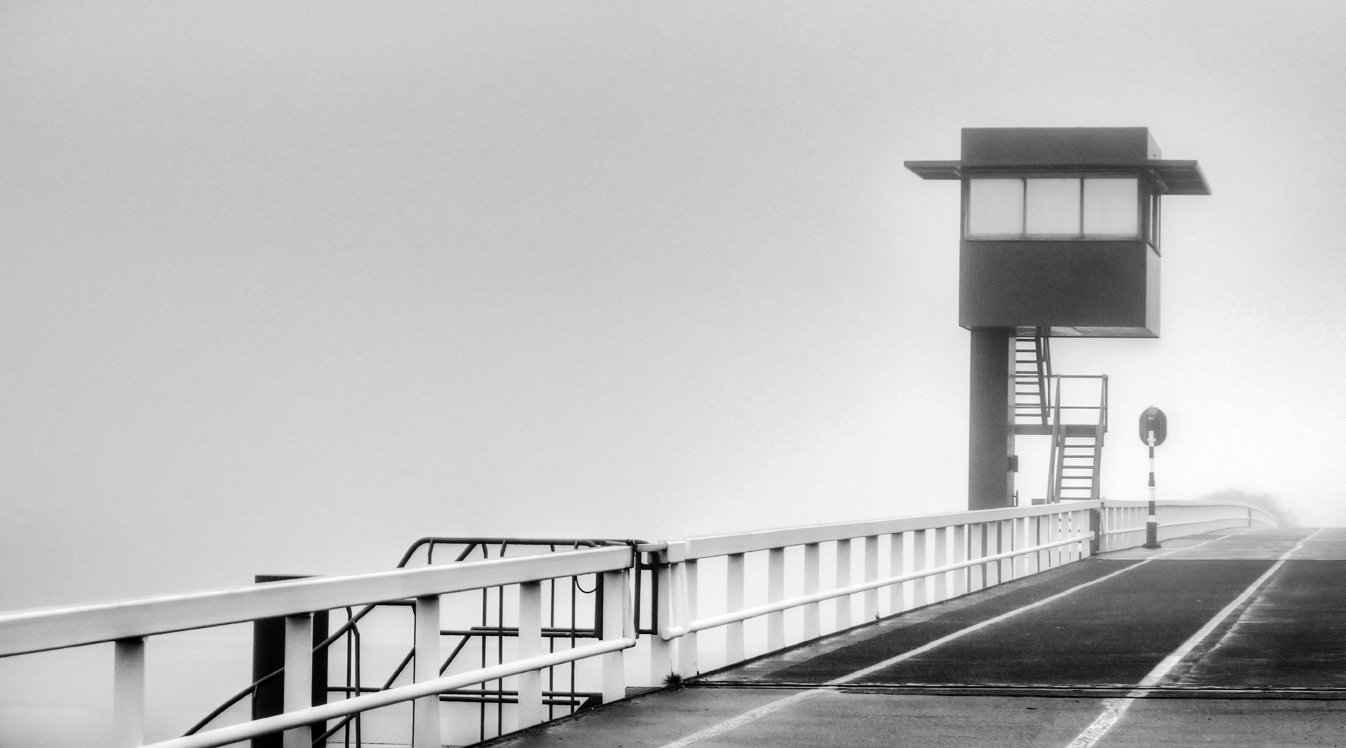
(757,591)
(1180,518)
(877,568)
(882,568)
(128,625)
(1123,522)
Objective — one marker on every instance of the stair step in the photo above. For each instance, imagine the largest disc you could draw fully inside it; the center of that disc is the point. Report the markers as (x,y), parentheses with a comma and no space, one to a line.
(1032,429)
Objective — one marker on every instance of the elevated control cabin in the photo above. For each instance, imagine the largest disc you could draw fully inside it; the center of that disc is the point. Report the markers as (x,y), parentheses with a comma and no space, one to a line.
(1060,228)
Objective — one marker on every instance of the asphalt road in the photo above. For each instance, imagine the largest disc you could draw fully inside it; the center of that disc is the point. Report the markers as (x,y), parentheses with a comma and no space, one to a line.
(1231,640)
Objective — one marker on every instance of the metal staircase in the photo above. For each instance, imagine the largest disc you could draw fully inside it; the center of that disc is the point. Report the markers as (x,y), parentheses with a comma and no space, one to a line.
(1032,377)
(1077,456)
(1072,410)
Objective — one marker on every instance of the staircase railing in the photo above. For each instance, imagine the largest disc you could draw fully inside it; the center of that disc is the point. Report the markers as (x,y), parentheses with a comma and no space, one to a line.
(1032,385)
(1083,416)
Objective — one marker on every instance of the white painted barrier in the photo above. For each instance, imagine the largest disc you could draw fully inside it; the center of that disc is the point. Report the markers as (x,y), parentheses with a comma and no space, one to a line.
(128,624)
(772,584)
(925,560)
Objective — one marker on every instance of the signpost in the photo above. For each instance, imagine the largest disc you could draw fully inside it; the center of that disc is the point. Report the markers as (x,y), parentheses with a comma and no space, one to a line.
(1153,431)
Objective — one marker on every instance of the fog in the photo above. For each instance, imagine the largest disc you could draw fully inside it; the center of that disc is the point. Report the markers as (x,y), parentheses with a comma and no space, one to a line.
(284,287)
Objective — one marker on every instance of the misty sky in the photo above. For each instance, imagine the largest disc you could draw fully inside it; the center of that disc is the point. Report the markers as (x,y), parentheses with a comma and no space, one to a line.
(286,286)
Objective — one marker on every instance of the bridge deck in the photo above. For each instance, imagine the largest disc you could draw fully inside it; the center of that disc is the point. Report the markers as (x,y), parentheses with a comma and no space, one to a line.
(1227,639)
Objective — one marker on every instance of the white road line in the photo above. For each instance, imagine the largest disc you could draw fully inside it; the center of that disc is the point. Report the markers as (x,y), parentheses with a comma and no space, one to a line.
(775,706)
(1114,709)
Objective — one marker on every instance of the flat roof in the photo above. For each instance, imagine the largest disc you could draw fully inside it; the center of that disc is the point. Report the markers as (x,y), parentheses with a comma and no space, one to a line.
(992,150)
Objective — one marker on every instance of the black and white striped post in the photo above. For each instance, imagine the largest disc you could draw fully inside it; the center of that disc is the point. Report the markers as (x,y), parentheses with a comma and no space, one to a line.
(1153,430)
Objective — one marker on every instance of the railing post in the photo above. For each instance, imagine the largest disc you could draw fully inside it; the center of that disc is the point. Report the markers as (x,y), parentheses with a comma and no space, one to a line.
(1019,531)
(871,573)
(530,711)
(425,710)
(617,622)
(268,656)
(992,548)
(1005,536)
(919,590)
(976,543)
(661,654)
(960,555)
(1055,533)
(298,675)
(812,612)
(775,592)
(128,693)
(688,652)
(843,603)
(941,559)
(897,599)
(1041,534)
(1031,560)
(733,633)
(1095,527)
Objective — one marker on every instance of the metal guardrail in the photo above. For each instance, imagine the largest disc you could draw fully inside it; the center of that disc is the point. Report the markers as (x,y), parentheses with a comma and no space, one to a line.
(923,560)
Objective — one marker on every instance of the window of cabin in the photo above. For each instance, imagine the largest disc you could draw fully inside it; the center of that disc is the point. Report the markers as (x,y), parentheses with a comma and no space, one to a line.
(1054,208)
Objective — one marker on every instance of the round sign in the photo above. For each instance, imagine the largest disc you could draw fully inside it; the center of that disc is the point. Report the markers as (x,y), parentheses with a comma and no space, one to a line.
(1153,425)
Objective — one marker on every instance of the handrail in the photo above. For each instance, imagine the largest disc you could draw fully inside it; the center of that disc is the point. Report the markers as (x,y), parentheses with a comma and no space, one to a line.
(1043,345)
(473,542)
(300,717)
(39,630)
(747,542)
(801,600)
(469,544)
(1053,476)
(930,558)
(1103,406)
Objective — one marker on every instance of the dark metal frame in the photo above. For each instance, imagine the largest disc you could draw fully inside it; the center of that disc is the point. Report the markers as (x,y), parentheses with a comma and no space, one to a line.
(564,695)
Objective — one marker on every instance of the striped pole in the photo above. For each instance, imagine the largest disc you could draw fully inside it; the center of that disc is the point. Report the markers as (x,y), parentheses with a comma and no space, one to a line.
(1151,522)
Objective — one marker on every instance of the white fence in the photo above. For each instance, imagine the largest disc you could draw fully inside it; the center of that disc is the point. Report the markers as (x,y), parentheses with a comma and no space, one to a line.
(877,568)
(758,591)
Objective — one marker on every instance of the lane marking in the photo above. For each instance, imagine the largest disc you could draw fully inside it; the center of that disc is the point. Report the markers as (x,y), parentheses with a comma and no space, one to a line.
(775,706)
(1115,709)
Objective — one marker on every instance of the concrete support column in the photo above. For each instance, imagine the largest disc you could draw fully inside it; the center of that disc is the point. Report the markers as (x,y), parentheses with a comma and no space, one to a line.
(991,415)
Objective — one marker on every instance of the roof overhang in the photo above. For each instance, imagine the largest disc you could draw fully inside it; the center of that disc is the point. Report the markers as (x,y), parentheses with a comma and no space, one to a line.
(1172,177)
(1082,150)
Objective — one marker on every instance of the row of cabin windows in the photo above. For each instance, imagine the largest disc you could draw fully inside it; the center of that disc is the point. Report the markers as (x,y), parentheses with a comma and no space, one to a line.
(1057,207)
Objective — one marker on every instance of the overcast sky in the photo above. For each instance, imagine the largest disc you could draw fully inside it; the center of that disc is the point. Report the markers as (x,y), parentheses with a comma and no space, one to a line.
(286,286)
